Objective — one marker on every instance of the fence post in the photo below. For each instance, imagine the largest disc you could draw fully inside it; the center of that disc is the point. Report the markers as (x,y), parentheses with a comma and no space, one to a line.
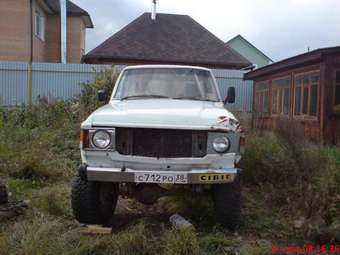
(29,84)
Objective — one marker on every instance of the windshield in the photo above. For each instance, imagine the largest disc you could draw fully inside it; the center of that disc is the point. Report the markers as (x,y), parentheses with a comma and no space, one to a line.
(175,83)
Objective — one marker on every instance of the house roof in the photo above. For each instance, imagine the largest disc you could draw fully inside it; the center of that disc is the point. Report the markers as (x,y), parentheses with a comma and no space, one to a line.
(289,63)
(240,37)
(170,39)
(72,10)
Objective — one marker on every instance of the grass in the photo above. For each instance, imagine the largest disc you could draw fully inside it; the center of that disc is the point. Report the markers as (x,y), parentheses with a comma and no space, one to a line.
(285,182)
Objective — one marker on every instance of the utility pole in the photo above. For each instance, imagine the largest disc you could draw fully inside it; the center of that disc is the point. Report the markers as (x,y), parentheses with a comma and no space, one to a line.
(63,31)
(29,71)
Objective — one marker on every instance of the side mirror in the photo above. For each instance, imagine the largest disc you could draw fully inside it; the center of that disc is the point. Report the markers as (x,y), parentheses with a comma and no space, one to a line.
(230,99)
(102,96)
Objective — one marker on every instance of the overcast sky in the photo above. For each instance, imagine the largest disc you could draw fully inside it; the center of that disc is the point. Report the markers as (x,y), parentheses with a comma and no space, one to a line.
(280,28)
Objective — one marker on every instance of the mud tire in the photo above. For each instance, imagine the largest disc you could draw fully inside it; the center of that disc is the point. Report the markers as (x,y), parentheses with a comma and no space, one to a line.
(93,202)
(227,202)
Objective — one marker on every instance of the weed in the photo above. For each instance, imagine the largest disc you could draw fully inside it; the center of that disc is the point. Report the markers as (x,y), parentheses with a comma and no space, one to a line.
(181,242)
(54,201)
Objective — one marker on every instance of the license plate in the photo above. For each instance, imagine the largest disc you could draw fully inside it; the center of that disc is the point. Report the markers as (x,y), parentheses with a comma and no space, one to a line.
(161,178)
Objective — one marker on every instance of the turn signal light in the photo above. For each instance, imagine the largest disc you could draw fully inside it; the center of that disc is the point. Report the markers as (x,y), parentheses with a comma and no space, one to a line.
(84,138)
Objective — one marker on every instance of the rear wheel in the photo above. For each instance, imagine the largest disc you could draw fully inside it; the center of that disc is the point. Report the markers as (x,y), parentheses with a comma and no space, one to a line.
(93,202)
(3,194)
(227,202)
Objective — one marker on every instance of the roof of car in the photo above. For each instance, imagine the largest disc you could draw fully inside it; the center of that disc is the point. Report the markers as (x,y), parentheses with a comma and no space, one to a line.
(166,66)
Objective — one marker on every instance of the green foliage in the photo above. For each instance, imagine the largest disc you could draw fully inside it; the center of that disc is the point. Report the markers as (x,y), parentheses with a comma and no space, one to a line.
(181,242)
(54,201)
(263,155)
(20,188)
(87,100)
(299,178)
(218,242)
(32,144)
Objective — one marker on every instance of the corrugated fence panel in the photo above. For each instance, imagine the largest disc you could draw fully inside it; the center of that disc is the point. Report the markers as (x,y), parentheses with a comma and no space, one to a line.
(54,81)
(62,82)
(244,89)
(13,83)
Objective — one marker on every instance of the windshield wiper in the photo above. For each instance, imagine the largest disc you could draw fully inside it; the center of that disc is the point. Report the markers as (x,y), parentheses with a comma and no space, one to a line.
(143,96)
(195,98)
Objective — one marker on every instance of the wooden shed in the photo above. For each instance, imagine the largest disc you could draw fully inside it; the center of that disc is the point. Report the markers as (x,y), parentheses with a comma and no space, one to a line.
(304,89)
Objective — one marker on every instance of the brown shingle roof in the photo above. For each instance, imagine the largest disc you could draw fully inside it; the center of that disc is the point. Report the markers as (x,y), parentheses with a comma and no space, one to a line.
(172,39)
(72,10)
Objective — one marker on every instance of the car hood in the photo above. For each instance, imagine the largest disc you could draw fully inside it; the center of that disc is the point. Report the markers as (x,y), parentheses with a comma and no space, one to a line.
(163,113)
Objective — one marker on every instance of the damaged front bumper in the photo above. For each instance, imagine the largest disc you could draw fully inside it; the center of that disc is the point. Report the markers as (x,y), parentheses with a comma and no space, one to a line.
(113,167)
(126,175)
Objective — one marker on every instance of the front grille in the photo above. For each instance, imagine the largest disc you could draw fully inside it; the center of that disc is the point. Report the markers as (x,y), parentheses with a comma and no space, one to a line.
(161,143)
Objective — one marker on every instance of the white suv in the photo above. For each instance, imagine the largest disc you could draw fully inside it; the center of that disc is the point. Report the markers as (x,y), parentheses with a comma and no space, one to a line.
(162,125)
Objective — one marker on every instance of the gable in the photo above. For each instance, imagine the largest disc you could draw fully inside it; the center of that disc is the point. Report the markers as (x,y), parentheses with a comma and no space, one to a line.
(249,51)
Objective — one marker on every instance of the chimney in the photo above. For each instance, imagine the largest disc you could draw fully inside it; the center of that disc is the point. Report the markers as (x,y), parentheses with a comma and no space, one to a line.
(153,14)
(63,31)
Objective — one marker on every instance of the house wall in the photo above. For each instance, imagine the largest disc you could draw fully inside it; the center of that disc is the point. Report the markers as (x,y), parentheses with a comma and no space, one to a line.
(248,52)
(310,126)
(15,39)
(14,27)
(75,39)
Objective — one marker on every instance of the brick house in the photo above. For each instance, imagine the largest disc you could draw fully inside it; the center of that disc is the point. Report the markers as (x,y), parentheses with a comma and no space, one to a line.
(17,31)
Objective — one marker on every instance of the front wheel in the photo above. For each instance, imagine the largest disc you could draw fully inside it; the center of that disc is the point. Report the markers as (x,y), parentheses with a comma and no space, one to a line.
(93,202)
(227,202)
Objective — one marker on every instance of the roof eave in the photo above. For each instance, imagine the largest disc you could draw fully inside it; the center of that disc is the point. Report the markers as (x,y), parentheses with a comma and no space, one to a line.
(87,21)
(95,59)
(284,65)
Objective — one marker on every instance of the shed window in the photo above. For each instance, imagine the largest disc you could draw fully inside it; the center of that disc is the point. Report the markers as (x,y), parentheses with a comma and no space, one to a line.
(305,101)
(274,101)
(337,88)
(297,103)
(306,94)
(262,98)
(281,96)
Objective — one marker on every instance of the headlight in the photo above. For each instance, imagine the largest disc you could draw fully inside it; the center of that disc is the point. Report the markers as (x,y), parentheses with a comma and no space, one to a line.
(221,144)
(101,139)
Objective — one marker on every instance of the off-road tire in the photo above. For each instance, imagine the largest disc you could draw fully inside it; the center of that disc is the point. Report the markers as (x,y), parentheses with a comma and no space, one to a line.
(227,202)
(3,194)
(93,202)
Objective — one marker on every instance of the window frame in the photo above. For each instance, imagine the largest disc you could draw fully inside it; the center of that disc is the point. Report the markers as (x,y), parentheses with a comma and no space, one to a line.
(302,86)
(39,24)
(280,92)
(336,107)
(261,94)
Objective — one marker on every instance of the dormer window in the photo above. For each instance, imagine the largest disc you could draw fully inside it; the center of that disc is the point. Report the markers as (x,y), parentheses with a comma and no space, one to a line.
(39,25)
